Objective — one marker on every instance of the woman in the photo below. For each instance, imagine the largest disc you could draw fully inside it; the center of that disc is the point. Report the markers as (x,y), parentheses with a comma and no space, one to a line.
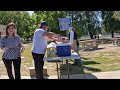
(75,44)
(12,47)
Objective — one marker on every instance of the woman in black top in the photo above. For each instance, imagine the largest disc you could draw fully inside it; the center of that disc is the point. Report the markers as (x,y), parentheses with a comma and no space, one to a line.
(76,45)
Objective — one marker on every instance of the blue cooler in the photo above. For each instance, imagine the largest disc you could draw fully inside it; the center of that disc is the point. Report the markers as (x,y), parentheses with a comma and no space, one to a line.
(63,50)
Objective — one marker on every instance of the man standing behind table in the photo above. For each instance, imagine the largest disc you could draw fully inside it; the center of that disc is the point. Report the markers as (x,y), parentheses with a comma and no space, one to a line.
(40,38)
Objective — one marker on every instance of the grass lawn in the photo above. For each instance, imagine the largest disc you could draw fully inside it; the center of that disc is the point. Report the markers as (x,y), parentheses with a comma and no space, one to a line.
(107,58)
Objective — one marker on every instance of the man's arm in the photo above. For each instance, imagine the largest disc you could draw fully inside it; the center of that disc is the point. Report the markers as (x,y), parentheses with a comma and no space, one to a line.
(51,38)
(49,34)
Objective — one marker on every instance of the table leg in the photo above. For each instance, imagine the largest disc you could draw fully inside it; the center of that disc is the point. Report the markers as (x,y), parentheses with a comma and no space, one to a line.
(62,61)
(57,69)
(115,42)
(68,68)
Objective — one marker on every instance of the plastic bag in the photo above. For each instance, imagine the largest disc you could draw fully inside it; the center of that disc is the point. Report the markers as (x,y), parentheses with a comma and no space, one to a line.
(51,45)
(51,50)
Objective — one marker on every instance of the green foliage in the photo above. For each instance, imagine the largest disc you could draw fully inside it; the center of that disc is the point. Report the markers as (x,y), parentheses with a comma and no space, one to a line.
(24,22)
(52,18)
(83,21)
(111,21)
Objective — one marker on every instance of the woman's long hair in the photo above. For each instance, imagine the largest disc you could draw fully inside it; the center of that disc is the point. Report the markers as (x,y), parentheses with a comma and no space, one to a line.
(10,24)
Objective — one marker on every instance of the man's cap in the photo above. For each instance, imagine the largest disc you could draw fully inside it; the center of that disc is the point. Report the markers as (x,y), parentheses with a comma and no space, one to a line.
(44,23)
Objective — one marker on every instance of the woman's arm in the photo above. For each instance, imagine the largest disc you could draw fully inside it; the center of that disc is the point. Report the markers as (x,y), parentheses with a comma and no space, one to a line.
(2,44)
(20,44)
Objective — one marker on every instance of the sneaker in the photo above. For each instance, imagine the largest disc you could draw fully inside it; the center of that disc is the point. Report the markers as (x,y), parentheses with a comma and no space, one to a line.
(74,64)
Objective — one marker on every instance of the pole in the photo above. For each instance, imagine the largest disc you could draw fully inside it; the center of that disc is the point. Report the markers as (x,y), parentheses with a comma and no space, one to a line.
(57,69)
(68,69)
(66,30)
(72,17)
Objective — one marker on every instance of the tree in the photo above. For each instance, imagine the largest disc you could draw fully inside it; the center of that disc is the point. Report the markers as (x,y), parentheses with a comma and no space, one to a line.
(24,22)
(52,18)
(83,21)
(111,21)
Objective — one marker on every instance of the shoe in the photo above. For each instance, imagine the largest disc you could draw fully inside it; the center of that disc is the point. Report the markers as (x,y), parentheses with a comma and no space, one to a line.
(79,65)
(45,78)
(74,64)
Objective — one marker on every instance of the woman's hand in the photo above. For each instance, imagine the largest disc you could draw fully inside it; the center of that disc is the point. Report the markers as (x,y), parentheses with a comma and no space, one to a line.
(22,49)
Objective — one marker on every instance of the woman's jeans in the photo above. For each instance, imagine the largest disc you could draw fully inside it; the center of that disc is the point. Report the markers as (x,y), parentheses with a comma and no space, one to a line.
(78,61)
(16,64)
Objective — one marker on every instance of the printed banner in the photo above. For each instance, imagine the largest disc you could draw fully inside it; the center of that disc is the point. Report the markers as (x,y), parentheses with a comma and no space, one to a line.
(65,23)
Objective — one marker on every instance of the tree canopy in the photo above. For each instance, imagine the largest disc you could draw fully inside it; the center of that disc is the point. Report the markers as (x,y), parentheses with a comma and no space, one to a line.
(85,22)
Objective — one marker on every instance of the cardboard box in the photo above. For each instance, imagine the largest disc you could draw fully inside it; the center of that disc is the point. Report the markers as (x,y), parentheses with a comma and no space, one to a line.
(32,71)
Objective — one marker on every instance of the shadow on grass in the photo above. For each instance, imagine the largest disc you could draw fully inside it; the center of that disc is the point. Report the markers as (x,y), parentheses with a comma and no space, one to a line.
(77,72)
(74,69)
(92,69)
(84,58)
(93,49)
(89,62)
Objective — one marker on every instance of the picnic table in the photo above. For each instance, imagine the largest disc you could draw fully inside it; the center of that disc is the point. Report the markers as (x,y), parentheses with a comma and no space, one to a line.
(89,44)
(74,55)
(116,41)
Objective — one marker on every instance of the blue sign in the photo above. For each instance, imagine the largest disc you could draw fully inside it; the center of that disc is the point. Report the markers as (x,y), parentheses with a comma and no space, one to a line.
(65,23)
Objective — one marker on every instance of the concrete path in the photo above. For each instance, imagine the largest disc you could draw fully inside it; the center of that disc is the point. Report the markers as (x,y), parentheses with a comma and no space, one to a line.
(99,75)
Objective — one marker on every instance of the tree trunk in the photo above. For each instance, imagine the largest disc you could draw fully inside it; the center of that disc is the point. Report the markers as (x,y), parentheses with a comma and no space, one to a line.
(89,24)
(105,26)
(91,35)
(90,31)
(112,34)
